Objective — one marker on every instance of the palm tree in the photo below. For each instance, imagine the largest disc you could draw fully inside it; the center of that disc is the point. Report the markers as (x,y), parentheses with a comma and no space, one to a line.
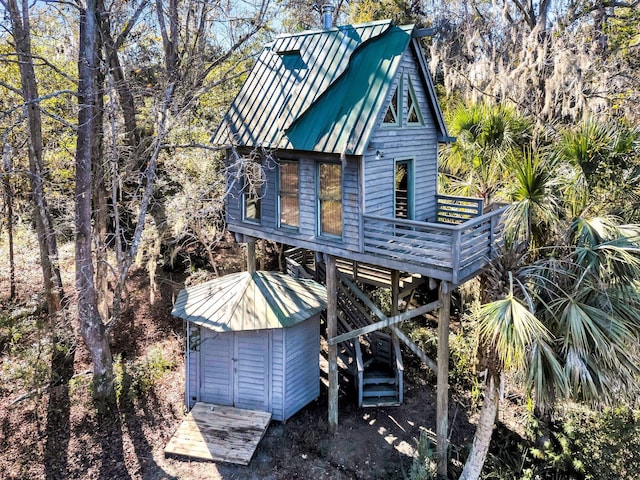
(570,321)
(533,200)
(605,156)
(485,135)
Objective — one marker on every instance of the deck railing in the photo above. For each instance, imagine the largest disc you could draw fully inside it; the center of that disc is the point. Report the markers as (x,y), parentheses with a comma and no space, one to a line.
(455,251)
(455,210)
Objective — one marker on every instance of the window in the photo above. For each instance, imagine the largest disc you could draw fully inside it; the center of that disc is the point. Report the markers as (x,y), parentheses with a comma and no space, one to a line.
(252,191)
(403,195)
(330,199)
(392,116)
(414,116)
(288,194)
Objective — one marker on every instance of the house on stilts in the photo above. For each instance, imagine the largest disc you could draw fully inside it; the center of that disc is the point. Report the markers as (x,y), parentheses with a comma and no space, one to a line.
(332,149)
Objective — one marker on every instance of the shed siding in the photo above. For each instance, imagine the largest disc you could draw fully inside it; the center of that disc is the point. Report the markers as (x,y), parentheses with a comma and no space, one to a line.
(302,348)
(409,142)
(277,374)
(216,371)
(252,370)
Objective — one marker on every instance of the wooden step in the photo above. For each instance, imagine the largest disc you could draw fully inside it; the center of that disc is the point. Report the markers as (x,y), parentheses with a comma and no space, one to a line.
(375,379)
(380,402)
(379,390)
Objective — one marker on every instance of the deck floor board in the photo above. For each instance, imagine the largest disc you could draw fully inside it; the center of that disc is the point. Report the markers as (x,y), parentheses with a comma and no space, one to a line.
(219,433)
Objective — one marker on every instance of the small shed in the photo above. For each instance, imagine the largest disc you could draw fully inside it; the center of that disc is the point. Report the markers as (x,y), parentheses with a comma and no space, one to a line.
(253,341)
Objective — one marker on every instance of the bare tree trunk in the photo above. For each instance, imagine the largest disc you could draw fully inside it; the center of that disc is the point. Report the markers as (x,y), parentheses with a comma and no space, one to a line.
(92,328)
(8,196)
(21,31)
(100,194)
(484,430)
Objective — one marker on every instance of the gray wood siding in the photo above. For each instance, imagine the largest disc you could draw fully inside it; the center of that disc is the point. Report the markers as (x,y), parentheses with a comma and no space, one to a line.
(302,369)
(409,142)
(306,235)
(216,369)
(252,370)
(277,375)
(307,199)
(275,370)
(233,202)
(351,211)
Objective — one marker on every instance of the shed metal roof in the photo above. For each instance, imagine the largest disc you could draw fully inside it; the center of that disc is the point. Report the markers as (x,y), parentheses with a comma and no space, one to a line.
(319,90)
(244,301)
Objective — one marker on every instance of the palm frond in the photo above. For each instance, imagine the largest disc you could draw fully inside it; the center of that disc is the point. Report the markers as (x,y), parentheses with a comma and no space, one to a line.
(509,328)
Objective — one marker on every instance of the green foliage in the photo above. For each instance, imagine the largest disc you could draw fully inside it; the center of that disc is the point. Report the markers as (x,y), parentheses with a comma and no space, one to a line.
(139,377)
(486,135)
(582,444)
(26,346)
(400,11)
(382,299)
(425,464)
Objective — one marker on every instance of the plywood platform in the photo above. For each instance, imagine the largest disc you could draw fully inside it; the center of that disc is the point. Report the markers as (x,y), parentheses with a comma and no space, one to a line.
(219,433)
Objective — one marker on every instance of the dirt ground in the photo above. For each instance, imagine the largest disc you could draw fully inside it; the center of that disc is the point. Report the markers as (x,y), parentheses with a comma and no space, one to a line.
(56,433)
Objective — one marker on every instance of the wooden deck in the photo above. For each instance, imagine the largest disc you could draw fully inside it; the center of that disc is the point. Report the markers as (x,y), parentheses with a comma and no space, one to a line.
(219,433)
(447,251)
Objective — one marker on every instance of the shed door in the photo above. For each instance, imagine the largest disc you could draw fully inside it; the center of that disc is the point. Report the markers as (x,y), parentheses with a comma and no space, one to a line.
(216,367)
(251,370)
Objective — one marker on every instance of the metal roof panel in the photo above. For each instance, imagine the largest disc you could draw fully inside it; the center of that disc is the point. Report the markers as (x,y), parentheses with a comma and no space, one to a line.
(319,90)
(244,301)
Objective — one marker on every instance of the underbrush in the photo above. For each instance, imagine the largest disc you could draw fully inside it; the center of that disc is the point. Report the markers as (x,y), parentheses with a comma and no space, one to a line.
(580,444)
(138,377)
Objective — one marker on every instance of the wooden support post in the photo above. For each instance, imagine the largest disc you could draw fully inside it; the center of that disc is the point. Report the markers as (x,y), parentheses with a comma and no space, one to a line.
(332,331)
(395,291)
(251,255)
(442,393)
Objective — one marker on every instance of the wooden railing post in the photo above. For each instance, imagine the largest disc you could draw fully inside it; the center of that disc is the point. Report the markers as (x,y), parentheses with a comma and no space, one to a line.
(494,225)
(456,247)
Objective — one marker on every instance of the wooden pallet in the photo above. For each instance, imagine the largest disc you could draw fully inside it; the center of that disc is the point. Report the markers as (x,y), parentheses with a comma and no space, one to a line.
(219,433)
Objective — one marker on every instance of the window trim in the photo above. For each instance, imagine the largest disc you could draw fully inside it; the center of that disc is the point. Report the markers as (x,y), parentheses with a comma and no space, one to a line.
(279,206)
(410,161)
(411,98)
(319,232)
(399,93)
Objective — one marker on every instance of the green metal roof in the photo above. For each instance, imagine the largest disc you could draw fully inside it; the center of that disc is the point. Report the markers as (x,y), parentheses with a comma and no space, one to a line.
(319,90)
(244,301)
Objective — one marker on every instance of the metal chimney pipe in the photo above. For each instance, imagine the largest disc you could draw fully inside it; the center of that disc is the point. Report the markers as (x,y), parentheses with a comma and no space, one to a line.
(327,15)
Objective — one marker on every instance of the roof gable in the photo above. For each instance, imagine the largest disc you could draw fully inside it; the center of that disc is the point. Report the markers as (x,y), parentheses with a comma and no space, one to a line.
(319,90)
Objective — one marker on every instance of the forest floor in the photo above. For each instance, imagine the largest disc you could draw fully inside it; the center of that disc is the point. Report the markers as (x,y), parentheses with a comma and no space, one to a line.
(55,432)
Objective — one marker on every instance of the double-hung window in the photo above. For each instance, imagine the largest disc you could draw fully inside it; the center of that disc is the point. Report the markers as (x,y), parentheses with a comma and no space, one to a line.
(329,199)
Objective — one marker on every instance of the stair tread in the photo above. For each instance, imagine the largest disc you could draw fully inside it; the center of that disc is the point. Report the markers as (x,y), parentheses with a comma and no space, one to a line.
(379,390)
(368,380)
(380,402)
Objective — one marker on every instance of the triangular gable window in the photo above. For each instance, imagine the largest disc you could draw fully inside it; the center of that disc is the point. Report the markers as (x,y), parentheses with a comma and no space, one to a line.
(392,116)
(414,116)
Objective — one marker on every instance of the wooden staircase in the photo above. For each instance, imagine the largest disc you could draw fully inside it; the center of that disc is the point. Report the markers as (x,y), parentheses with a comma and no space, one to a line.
(373,359)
